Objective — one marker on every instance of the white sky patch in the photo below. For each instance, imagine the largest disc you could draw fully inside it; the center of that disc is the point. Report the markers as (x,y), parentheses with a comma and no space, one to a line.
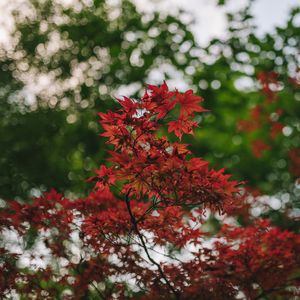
(269,14)
(158,75)
(245,83)
(210,20)
(126,90)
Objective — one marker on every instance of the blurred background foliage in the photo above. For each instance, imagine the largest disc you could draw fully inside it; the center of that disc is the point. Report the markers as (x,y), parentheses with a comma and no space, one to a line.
(65,62)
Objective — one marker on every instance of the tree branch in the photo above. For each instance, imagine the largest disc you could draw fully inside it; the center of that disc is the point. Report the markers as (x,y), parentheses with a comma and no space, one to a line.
(136,229)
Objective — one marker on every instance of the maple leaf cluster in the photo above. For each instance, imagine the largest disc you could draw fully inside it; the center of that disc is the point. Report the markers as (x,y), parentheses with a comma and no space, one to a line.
(153,168)
(141,232)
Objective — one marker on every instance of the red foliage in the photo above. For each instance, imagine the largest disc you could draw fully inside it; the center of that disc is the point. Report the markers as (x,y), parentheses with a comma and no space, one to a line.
(269,83)
(259,147)
(139,233)
(264,117)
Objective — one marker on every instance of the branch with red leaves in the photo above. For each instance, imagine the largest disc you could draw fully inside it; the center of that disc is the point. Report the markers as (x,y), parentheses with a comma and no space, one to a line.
(142,232)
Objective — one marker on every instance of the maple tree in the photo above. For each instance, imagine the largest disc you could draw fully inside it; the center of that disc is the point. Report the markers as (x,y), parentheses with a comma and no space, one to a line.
(143,231)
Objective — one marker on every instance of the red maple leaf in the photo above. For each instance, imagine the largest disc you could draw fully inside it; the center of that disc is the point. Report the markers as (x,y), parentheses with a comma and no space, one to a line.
(181,126)
(189,103)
